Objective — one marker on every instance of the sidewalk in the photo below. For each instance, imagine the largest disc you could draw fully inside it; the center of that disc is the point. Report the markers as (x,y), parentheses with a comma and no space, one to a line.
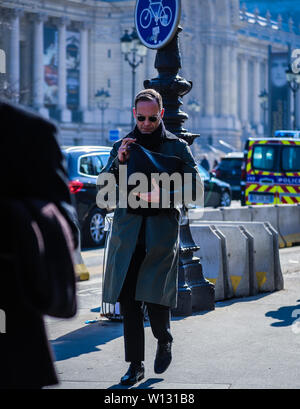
(251,342)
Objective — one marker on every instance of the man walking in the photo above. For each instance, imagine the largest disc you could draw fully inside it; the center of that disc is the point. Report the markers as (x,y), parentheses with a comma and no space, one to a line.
(143,252)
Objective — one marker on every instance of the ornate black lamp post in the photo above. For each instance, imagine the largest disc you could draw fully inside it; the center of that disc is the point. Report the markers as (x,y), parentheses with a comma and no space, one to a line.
(294,84)
(102,97)
(134,52)
(195,293)
(263,98)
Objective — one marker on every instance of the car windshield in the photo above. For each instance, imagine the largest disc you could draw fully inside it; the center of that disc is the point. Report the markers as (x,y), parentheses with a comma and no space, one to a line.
(229,164)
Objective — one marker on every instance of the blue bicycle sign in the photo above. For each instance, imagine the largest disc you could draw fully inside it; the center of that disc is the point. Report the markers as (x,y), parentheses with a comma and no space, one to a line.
(157,21)
(157,11)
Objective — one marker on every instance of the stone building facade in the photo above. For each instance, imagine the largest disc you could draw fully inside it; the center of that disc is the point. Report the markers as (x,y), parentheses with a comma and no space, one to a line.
(59,53)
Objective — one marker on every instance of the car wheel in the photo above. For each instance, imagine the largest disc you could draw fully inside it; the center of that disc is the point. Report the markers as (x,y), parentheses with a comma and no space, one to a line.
(225,200)
(94,234)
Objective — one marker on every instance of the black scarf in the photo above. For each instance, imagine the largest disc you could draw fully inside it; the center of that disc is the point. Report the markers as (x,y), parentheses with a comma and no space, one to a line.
(150,141)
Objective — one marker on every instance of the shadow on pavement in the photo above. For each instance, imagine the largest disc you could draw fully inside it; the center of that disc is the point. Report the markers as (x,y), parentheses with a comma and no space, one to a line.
(86,339)
(285,316)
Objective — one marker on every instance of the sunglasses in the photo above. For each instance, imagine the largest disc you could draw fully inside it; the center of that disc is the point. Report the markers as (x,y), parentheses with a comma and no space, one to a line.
(142,118)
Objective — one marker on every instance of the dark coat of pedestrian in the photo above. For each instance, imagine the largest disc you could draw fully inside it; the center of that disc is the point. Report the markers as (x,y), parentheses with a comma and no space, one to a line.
(32,168)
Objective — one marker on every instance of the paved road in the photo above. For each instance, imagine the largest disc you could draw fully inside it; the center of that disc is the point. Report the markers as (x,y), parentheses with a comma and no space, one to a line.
(251,342)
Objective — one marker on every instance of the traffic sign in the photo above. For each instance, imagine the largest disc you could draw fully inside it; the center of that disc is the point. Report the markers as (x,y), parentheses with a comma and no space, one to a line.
(156,21)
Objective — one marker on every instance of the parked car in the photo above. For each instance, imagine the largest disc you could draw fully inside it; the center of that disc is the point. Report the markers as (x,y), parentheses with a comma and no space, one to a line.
(229,170)
(216,192)
(84,164)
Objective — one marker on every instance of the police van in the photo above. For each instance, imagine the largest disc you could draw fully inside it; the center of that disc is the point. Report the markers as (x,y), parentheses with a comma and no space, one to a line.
(271,170)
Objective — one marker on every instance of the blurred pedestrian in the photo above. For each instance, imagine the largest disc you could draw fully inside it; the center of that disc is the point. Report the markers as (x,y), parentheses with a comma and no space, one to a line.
(33,175)
(204,162)
(215,164)
(143,252)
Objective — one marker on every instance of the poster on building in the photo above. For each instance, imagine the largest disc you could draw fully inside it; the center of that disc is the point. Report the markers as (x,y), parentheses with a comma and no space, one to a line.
(50,60)
(73,69)
(279,92)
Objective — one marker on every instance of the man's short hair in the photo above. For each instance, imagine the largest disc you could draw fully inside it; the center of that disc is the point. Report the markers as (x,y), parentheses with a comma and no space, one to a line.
(149,95)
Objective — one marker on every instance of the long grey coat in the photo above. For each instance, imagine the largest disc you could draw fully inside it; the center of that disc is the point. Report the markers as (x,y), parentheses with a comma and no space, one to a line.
(157,280)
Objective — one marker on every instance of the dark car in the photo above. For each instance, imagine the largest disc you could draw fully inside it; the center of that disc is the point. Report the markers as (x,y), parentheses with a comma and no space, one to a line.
(84,164)
(216,192)
(229,170)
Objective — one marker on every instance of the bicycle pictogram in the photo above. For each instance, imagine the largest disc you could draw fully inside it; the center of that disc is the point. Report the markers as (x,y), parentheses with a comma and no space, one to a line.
(156,10)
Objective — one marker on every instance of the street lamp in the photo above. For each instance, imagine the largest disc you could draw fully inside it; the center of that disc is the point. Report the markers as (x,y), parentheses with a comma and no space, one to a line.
(294,84)
(264,97)
(134,52)
(102,97)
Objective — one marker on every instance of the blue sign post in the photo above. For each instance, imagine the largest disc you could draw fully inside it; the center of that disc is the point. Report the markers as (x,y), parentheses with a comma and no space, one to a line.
(157,21)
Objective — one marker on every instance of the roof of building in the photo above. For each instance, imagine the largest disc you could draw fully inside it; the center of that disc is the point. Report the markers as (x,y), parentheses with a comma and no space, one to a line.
(286,8)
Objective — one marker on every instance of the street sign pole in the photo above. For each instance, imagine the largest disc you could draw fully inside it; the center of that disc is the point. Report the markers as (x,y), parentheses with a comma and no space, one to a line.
(157,24)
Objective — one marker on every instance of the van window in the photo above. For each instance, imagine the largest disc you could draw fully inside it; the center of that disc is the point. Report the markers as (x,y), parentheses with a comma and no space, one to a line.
(264,157)
(291,158)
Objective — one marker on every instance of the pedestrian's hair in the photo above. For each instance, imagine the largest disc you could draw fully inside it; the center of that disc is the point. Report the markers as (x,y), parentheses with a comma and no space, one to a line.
(149,95)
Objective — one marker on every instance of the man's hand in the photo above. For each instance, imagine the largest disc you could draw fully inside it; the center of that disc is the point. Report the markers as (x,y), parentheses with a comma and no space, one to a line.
(151,197)
(123,151)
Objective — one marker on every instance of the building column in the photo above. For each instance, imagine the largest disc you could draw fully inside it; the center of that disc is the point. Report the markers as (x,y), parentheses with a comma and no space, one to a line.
(209,81)
(38,64)
(84,83)
(65,114)
(234,83)
(225,95)
(14,53)
(244,92)
(256,91)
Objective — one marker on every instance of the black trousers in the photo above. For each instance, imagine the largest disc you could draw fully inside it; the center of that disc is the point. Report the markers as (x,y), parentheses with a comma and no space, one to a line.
(133,312)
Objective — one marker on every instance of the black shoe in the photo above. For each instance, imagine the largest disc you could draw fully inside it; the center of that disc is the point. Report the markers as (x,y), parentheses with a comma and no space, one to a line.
(134,374)
(163,357)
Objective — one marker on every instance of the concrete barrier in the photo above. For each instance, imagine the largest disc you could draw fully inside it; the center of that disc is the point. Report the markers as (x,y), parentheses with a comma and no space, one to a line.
(82,273)
(237,254)
(264,271)
(236,213)
(204,214)
(212,256)
(259,213)
(278,277)
(267,213)
(224,254)
(289,223)
(263,257)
